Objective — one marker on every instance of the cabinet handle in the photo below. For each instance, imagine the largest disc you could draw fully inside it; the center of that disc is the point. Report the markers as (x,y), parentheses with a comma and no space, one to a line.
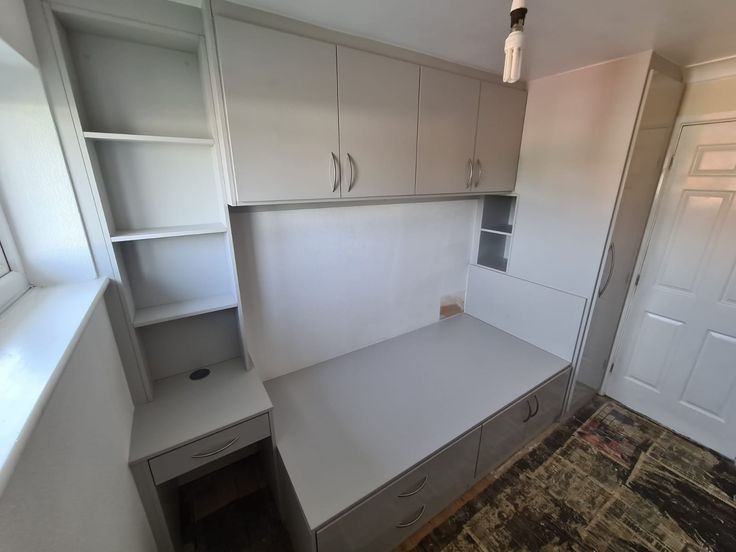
(528,411)
(469,182)
(418,488)
(213,452)
(335,171)
(480,173)
(351,165)
(536,410)
(412,522)
(612,250)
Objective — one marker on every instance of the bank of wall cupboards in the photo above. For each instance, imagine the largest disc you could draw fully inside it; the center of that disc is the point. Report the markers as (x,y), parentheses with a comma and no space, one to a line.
(311,120)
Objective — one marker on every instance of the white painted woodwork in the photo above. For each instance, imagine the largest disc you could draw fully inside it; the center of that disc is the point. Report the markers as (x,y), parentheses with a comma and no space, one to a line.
(676,359)
(281,102)
(191,307)
(577,133)
(186,343)
(500,122)
(646,159)
(160,272)
(134,88)
(117,137)
(72,471)
(348,426)
(378,99)
(157,185)
(320,282)
(448,115)
(545,317)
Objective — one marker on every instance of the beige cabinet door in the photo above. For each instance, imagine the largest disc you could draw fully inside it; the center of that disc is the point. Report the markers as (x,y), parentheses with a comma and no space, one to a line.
(500,122)
(281,103)
(448,113)
(379,104)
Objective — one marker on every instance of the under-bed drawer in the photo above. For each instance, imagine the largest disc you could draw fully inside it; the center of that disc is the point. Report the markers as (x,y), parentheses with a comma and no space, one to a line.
(197,453)
(387,518)
(508,431)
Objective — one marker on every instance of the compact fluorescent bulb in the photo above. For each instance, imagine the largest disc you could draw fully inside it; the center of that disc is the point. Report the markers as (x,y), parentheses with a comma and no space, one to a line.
(514,42)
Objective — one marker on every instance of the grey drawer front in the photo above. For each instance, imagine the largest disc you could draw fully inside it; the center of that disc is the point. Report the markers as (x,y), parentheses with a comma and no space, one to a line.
(547,405)
(387,518)
(198,453)
(508,431)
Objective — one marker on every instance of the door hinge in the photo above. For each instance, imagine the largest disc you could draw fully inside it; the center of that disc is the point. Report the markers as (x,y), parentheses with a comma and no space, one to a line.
(672,160)
(636,282)
(611,367)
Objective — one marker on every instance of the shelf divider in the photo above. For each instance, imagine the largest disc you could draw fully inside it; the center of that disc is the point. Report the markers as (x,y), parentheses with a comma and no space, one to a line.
(183,309)
(118,137)
(167,232)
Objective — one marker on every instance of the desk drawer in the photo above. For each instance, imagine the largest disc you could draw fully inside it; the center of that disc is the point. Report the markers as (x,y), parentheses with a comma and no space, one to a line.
(198,453)
(387,518)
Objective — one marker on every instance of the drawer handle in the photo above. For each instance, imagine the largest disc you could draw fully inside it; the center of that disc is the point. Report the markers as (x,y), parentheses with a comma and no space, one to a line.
(529,411)
(412,522)
(227,445)
(536,410)
(421,485)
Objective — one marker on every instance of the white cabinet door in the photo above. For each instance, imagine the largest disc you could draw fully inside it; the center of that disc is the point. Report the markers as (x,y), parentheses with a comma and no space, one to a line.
(448,113)
(281,104)
(500,122)
(379,104)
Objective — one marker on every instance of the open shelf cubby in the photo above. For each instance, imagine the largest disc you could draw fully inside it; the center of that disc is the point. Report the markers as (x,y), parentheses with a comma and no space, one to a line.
(496,231)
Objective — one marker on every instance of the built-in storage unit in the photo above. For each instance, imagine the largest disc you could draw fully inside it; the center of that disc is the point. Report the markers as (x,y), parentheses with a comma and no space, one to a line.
(384,438)
(142,101)
(311,120)
(496,231)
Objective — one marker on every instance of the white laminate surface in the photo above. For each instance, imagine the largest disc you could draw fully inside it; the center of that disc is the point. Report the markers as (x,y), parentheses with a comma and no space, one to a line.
(349,425)
(37,335)
(184,410)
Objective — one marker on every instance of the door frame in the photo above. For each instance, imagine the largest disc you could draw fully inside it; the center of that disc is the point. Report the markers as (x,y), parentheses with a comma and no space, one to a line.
(664,181)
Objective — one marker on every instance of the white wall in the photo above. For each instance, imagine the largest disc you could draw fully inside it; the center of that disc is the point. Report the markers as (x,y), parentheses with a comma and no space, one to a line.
(71,489)
(15,30)
(320,282)
(577,132)
(35,190)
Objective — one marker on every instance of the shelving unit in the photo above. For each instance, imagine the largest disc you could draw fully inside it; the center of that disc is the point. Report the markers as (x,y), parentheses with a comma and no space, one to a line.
(142,99)
(496,231)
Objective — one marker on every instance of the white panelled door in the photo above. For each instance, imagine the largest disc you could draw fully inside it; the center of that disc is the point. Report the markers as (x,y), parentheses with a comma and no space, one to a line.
(677,359)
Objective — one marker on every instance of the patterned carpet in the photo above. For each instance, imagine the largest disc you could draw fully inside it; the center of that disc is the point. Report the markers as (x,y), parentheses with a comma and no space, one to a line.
(607,480)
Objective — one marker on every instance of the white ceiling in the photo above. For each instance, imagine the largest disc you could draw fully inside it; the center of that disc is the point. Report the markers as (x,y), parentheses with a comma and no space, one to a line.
(560,34)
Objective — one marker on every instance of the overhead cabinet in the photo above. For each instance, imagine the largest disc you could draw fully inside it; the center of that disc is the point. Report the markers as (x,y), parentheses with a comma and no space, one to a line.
(309,120)
(281,102)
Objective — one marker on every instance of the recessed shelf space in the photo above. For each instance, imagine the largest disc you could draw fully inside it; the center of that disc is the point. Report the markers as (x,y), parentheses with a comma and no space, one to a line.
(172,278)
(497,227)
(116,137)
(168,232)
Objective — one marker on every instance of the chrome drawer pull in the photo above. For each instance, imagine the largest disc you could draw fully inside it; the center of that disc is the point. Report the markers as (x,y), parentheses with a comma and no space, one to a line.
(421,485)
(213,452)
(529,411)
(536,410)
(412,522)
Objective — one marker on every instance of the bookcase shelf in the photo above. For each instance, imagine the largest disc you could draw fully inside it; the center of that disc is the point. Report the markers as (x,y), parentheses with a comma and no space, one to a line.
(496,231)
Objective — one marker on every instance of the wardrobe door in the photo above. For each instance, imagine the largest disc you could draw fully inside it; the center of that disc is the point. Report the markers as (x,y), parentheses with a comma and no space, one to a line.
(500,122)
(448,113)
(379,104)
(281,104)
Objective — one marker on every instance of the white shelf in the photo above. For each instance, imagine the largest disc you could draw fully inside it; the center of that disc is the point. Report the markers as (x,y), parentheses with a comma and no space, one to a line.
(115,137)
(168,232)
(174,311)
(502,232)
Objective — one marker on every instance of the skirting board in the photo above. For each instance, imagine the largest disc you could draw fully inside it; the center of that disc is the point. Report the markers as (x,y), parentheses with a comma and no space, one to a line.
(545,317)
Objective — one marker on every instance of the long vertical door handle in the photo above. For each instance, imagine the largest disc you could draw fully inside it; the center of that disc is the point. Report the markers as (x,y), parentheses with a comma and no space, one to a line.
(351,166)
(469,182)
(612,253)
(335,172)
(480,173)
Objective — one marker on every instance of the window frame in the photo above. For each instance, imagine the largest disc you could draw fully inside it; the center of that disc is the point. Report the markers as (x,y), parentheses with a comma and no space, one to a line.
(14,283)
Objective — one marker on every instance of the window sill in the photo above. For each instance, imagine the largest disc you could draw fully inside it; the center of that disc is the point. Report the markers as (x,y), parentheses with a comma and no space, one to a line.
(38,333)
